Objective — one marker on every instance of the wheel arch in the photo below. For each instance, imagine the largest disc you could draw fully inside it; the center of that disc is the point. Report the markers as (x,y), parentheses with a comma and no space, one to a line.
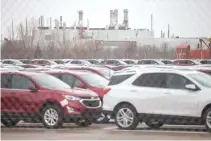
(50,102)
(205,108)
(121,103)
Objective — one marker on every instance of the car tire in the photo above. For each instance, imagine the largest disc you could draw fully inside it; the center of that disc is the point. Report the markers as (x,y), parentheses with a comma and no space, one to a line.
(103,118)
(84,123)
(52,116)
(132,115)
(154,125)
(9,122)
(207,119)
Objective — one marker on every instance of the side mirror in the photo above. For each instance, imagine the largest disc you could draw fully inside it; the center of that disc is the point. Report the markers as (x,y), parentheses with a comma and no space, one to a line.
(32,88)
(81,86)
(191,87)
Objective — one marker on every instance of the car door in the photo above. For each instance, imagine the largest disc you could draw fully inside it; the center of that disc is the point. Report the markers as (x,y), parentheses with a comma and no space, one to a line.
(26,101)
(178,100)
(6,95)
(149,91)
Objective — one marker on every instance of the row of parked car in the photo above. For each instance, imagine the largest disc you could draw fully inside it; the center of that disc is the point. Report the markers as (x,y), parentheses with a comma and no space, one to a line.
(153,94)
(105,61)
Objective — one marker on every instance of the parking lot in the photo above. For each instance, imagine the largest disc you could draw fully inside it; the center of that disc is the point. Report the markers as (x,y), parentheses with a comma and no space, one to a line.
(84,80)
(26,131)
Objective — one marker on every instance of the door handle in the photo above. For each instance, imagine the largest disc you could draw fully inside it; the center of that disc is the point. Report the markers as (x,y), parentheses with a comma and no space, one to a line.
(12,93)
(167,93)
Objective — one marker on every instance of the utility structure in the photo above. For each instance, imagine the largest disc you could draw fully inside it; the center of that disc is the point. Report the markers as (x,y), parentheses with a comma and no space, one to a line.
(80,24)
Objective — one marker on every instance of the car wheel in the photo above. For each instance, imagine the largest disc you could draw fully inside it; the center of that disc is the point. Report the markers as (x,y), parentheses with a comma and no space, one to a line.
(104,118)
(126,117)
(52,116)
(154,125)
(9,122)
(84,123)
(207,119)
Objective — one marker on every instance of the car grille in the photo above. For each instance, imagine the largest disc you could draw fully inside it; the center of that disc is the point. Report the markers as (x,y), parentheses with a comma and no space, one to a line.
(91,103)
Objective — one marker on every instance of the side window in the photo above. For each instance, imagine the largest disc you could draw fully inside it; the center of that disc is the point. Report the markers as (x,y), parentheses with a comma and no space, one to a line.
(69,79)
(33,62)
(175,81)
(117,62)
(10,62)
(190,62)
(116,79)
(95,62)
(151,80)
(77,82)
(57,76)
(131,62)
(153,62)
(140,62)
(79,62)
(6,80)
(110,62)
(20,82)
(5,62)
(46,62)
(40,62)
(74,62)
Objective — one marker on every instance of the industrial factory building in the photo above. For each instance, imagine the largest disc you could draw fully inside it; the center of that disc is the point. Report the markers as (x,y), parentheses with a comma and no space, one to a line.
(114,34)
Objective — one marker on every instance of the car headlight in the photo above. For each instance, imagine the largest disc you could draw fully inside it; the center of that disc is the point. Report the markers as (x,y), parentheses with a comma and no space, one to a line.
(73,98)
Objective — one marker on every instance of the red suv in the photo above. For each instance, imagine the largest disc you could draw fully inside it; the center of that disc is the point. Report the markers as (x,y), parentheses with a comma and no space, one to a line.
(81,79)
(40,97)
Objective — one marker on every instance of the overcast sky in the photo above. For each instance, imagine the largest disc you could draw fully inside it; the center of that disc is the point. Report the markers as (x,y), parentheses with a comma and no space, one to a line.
(187,18)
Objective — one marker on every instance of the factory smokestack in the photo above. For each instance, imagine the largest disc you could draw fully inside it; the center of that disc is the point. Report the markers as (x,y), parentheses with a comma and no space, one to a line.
(116,16)
(111,17)
(125,22)
(152,22)
(60,21)
(50,23)
(80,18)
(168,31)
(42,21)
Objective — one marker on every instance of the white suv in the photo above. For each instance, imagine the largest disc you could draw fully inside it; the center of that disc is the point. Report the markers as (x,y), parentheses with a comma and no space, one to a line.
(159,96)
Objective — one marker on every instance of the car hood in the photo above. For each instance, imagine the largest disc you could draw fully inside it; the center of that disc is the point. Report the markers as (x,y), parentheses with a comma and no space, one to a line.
(78,92)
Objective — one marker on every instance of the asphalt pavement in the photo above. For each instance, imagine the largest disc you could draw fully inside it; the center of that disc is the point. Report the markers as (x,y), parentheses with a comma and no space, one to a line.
(29,131)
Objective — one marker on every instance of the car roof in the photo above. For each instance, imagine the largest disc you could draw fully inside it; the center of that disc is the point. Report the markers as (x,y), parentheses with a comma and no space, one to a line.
(78,72)
(155,70)
(28,73)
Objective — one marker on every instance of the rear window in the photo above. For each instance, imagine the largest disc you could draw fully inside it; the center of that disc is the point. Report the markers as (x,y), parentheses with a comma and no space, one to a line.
(117,79)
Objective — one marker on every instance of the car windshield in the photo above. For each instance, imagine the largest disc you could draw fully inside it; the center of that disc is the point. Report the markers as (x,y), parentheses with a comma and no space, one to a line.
(95,80)
(106,72)
(59,62)
(50,82)
(202,78)
(52,62)
(17,62)
(122,62)
(86,62)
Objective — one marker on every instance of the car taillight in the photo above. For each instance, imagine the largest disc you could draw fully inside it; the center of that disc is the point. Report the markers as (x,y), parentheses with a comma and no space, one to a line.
(106,90)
